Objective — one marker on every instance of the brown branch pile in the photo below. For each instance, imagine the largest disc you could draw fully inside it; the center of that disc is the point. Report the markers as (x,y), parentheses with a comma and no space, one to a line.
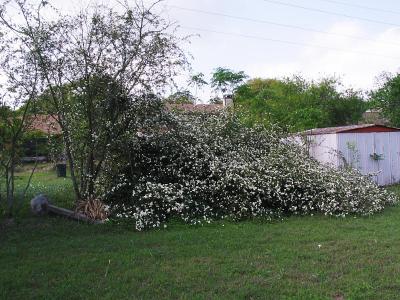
(93,208)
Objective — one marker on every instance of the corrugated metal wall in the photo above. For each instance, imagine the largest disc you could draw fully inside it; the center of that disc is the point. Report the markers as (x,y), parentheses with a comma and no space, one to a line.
(375,153)
(323,147)
(378,153)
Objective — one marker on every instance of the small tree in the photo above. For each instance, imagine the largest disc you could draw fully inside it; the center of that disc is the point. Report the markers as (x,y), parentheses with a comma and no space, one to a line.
(20,76)
(12,130)
(198,82)
(226,81)
(93,67)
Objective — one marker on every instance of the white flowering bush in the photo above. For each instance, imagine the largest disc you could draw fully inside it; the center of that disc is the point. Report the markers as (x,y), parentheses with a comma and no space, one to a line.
(207,167)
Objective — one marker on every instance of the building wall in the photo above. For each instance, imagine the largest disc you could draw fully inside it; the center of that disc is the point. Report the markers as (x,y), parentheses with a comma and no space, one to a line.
(358,149)
(323,147)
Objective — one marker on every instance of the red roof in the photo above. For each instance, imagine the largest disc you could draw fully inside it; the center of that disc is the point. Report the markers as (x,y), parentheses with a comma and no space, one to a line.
(363,128)
(44,123)
(185,107)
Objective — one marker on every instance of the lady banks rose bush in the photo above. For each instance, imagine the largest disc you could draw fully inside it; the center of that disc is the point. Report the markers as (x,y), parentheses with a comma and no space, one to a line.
(208,167)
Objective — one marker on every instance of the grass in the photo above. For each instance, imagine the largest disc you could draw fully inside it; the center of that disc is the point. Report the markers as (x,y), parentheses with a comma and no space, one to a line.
(44,181)
(297,258)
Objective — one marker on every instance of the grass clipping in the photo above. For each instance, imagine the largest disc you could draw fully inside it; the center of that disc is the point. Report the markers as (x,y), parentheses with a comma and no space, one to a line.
(94,209)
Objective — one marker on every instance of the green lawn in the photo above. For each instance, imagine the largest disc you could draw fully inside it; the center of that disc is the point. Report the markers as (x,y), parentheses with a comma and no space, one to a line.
(43,181)
(297,258)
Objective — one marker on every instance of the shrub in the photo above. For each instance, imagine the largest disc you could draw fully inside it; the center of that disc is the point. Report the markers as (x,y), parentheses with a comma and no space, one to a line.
(208,167)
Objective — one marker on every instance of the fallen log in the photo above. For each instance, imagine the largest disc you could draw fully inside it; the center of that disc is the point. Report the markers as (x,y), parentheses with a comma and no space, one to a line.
(40,205)
(71,214)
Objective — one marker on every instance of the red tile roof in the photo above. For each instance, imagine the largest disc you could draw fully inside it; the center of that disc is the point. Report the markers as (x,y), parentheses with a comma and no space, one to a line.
(350,128)
(48,124)
(194,107)
(44,123)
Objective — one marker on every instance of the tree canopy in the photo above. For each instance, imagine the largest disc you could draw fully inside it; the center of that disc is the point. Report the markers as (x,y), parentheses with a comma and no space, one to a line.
(91,65)
(181,97)
(387,98)
(226,81)
(299,104)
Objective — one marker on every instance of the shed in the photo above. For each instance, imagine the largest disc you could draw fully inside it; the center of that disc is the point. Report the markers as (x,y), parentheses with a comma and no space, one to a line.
(370,148)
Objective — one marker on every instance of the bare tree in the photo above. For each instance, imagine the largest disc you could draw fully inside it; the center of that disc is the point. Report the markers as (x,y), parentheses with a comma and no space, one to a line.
(93,67)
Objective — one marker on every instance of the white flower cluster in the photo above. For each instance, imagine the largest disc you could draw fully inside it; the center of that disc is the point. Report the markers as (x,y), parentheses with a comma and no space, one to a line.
(209,167)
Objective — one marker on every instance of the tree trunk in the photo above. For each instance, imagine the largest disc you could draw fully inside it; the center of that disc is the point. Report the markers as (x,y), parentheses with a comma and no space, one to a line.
(70,160)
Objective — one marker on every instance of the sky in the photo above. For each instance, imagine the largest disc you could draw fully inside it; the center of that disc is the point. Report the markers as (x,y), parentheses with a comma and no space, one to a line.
(265,39)
(352,39)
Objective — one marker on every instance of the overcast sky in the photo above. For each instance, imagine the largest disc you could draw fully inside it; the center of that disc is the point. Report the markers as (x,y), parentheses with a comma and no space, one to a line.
(275,38)
(263,57)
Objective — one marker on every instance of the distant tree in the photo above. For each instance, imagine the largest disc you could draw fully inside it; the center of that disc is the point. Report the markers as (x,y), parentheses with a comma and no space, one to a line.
(41,104)
(198,82)
(181,97)
(387,97)
(299,104)
(215,100)
(226,81)
(4,110)
(342,107)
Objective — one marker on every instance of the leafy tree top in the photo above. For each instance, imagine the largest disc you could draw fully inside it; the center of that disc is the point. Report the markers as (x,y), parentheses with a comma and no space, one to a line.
(181,97)
(299,104)
(197,80)
(226,80)
(387,97)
